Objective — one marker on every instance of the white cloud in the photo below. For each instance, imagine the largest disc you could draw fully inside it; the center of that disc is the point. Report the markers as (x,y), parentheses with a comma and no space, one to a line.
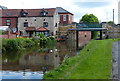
(103,13)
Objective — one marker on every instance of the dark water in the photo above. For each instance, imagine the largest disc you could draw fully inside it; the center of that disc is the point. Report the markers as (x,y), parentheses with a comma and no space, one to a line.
(34,62)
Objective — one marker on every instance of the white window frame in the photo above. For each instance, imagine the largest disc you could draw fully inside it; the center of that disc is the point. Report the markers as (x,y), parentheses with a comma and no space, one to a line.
(69,17)
(64,17)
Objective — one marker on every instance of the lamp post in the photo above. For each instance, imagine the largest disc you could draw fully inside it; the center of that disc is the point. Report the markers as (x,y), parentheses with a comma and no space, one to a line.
(113,17)
(113,25)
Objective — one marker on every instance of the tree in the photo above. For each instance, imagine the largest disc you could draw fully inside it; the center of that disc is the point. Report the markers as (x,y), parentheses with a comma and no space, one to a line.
(111,22)
(91,19)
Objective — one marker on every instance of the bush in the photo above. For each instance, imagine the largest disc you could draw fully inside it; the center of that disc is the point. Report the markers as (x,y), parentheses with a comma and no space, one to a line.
(17,44)
(12,44)
(52,37)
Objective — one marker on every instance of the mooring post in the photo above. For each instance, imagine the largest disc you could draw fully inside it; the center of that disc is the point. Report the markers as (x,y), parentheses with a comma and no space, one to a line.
(100,34)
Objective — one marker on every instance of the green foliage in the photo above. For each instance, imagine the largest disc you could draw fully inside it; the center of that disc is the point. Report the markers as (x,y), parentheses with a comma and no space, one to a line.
(89,18)
(92,21)
(42,35)
(44,41)
(17,44)
(12,56)
(94,34)
(110,22)
(52,37)
(12,44)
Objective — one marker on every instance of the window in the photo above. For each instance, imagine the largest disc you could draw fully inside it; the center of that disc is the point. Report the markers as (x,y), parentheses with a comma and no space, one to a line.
(43,13)
(23,14)
(56,25)
(45,24)
(25,24)
(21,33)
(69,18)
(8,22)
(64,17)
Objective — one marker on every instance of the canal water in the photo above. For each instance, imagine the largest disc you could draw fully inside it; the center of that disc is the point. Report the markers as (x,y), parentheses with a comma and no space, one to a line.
(33,63)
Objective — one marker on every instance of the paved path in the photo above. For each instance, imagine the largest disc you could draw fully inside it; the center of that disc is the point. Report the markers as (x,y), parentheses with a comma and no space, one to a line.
(119,60)
(116,60)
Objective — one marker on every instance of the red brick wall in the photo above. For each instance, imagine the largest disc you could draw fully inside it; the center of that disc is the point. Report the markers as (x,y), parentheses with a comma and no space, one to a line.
(6,36)
(67,18)
(0,21)
(83,38)
(13,22)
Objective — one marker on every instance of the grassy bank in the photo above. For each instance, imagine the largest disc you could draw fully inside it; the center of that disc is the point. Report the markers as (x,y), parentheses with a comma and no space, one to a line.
(93,62)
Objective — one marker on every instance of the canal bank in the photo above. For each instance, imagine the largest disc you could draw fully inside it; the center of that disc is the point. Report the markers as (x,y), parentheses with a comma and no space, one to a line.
(93,62)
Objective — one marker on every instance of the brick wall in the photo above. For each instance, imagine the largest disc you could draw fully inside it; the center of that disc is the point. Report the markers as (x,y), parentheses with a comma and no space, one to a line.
(6,36)
(13,22)
(83,37)
(69,18)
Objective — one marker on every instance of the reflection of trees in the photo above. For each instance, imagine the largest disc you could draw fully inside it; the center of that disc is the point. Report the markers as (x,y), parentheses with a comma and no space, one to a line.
(12,56)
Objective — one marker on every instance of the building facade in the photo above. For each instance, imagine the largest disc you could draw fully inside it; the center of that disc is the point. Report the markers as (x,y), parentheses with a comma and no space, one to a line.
(38,20)
(27,22)
(10,18)
(65,17)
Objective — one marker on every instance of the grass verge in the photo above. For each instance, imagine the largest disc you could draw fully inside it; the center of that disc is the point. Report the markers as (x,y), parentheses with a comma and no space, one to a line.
(93,62)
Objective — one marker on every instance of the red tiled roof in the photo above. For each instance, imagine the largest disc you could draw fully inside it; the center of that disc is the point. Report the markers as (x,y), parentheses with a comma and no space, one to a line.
(42,29)
(30,29)
(11,12)
(31,12)
(36,12)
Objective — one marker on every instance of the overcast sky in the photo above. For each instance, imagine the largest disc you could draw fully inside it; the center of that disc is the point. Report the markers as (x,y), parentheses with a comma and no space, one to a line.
(103,9)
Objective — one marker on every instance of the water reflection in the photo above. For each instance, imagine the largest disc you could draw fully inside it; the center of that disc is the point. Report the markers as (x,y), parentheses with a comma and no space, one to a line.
(36,60)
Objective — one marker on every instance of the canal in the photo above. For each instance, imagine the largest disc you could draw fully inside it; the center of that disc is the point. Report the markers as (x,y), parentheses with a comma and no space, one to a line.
(33,63)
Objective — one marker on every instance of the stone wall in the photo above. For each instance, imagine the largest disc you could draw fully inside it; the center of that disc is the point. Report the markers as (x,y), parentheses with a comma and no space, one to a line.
(37,22)
(113,30)
(63,29)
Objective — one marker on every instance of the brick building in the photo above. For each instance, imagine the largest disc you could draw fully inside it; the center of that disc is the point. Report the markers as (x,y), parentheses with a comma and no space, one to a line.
(65,17)
(10,18)
(33,21)
(30,21)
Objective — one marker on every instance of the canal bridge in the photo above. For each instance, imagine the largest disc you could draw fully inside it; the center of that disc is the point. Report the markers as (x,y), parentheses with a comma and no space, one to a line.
(82,34)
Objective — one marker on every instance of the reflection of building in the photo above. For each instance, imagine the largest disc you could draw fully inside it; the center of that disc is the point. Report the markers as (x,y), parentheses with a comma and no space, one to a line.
(42,59)
(34,62)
